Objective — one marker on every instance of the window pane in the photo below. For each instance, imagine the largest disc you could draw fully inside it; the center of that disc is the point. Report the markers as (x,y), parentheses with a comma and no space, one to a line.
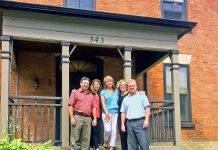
(168,80)
(183,75)
(183,80)
(71,4)
(80,4)
(86,4)
(185,107)
(174,10)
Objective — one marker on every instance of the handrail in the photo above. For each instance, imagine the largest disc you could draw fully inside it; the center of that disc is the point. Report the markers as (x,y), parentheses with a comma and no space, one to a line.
(34,104)
(161,101)
(37,97)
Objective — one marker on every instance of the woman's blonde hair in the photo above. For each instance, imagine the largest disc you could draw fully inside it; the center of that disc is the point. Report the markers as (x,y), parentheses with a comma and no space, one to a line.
(108,78)
(92,89)
(119,83)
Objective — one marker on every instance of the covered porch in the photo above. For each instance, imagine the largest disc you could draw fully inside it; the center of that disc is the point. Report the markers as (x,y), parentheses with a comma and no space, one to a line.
(54,40)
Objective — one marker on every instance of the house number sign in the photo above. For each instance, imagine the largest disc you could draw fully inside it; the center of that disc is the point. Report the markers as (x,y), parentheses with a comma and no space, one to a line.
(96,39)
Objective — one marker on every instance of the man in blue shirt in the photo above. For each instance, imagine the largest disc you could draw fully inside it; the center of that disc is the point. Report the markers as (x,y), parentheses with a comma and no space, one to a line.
(135,111)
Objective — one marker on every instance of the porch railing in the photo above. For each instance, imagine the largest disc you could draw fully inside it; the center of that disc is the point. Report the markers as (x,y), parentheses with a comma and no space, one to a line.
(161,121)
(34,118)
(37,119)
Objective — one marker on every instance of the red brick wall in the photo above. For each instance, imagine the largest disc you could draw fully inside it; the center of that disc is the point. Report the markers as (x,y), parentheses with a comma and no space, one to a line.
(114,69)
(131,7)
(155,83)
(36,65)
(43,2)
(203,47)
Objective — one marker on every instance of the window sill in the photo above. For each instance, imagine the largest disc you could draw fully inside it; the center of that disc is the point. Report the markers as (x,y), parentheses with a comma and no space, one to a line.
(187,125)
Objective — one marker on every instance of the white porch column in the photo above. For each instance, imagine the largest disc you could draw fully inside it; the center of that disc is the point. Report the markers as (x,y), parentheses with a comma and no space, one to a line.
(6,60)
(127,63)
(65,93)
(176,96)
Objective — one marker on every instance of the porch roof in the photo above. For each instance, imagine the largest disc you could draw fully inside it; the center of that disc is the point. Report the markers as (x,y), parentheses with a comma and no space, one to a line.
(182,26)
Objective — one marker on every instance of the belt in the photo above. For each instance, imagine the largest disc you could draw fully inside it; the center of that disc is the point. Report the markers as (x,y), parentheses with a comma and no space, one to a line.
(81,114)
(135,119)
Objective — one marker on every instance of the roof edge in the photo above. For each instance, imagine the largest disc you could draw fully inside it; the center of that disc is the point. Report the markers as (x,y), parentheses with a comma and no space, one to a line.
(46,9)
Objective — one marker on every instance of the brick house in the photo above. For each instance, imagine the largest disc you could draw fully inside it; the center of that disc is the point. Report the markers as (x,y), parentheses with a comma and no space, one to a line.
(45,40)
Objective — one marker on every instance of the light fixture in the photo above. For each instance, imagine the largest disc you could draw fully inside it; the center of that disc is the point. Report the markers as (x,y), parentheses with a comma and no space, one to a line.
(36,83)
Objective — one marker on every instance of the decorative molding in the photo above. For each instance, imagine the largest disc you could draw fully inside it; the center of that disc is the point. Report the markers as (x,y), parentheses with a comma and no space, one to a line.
(5,38)
(183,59)
(128,49)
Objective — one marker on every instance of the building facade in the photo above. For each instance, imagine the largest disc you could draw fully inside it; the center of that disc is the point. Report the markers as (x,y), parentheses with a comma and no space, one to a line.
(50,41)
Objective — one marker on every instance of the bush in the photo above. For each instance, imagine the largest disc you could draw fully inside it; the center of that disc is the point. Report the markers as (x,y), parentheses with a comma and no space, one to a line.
(17,144)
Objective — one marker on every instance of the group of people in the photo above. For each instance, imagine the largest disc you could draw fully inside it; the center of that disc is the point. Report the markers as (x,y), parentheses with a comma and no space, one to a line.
(119,106)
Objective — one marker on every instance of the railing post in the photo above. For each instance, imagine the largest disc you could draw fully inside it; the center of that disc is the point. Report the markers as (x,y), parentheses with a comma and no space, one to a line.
(6,60)
(65,93)
(127,63)
(176,97)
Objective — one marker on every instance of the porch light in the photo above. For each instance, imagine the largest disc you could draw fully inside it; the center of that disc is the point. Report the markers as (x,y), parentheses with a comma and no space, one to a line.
(36,83)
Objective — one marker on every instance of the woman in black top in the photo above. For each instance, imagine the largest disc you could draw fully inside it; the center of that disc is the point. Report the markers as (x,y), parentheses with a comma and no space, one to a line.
(122,87)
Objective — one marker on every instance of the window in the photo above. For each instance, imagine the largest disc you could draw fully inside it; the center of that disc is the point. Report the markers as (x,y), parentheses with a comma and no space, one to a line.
(185,102)
(174,9)
(80,4)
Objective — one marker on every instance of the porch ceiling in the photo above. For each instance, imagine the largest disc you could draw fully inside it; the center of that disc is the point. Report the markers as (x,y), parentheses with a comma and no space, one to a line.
(144,60)
(81,50)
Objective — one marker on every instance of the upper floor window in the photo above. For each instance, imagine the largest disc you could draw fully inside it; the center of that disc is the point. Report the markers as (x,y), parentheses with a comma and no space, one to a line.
(80,4)
(174,9)
(185,98)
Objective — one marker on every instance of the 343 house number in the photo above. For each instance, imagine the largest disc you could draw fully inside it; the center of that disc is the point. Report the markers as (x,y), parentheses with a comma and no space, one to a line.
(96,39)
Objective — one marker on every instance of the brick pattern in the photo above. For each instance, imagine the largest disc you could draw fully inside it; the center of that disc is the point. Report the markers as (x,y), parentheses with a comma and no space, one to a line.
(130,7)
(44,2)
(113,67)
(201,44)
(155,83)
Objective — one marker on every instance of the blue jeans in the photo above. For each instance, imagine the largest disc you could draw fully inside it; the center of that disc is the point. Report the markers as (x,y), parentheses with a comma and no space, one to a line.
(137,135)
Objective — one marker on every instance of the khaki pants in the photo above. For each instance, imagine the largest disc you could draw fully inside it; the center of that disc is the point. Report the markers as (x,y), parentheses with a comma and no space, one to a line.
(80,133)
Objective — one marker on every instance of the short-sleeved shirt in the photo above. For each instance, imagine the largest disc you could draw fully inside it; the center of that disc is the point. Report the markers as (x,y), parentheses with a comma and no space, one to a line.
(111,100)
(134,106)
(82,102)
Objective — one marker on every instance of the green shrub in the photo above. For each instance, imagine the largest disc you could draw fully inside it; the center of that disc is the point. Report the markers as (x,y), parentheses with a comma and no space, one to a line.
(17,144)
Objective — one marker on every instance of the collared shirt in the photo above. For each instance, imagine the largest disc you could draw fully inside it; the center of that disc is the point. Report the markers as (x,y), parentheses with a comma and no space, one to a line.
(111,100)
(134,106)
(82,102)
